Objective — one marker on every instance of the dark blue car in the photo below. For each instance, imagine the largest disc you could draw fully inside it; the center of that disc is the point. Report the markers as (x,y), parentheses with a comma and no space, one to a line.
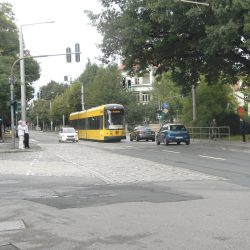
(171,132)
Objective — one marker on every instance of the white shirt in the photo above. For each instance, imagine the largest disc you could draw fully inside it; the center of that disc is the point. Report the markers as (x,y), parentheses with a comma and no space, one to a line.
(26,129)
(21,129)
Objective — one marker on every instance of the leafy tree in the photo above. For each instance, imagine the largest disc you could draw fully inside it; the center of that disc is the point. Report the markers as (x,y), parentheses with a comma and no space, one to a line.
(212,101)
(166,91)
(51,90)
(9,48)
(103,85)
(191,40)
(8,51)
(40,108)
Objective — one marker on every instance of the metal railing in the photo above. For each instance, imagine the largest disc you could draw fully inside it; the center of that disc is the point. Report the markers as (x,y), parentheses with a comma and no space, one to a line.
(210,133)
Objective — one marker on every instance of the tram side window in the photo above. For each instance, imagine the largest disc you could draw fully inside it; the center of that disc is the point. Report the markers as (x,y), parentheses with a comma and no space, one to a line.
(82,124)
(95,122)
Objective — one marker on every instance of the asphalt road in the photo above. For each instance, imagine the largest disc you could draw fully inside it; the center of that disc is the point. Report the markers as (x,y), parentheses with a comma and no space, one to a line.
(128,195)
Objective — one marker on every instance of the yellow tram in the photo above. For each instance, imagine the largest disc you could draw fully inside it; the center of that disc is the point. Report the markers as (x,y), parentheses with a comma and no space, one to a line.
(102,123)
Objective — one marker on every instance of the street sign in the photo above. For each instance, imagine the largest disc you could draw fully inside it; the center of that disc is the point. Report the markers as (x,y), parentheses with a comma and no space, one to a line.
(12,79)
(241,111)
(165,105)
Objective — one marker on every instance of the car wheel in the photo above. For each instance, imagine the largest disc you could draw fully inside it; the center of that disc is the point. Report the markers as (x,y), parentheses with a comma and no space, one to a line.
(137,138)
(187,142)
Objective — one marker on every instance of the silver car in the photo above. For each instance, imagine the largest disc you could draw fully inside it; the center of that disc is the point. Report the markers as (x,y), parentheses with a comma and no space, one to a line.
(68,134)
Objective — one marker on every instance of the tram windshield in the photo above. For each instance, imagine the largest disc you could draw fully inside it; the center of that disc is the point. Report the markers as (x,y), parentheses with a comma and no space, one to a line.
(114,119)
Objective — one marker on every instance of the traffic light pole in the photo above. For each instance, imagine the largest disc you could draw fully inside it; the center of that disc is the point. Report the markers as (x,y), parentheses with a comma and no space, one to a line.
(12,80)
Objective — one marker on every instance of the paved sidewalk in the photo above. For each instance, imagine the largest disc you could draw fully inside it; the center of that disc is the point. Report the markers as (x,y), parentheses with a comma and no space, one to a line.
(6,147)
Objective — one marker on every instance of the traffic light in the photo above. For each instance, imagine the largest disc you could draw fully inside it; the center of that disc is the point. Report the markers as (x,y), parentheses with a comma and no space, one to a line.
(18,106)
(68,55)
(123,83)
(129,83)
(1,119)
(77,52)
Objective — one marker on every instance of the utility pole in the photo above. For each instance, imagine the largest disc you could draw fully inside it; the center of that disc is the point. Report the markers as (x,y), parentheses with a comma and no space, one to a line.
(194,102)
(22,69)
(22,77)
(82,96)
(12,80)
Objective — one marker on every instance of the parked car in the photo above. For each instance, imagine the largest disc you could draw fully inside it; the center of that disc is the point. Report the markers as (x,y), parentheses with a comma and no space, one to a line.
(68,134)
(171,132)
(142,133)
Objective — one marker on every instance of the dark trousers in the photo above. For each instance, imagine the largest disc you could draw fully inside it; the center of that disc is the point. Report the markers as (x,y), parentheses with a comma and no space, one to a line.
(26,140)
(243,136)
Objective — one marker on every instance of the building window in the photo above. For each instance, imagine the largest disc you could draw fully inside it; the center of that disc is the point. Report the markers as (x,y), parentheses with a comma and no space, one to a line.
(145,97)
(137,80)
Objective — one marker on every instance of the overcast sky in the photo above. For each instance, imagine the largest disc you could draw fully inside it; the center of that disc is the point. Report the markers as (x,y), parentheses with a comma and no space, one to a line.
(71,26)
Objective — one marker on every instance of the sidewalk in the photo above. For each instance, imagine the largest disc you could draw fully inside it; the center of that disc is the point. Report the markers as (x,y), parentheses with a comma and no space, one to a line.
(228,144)
(6,147)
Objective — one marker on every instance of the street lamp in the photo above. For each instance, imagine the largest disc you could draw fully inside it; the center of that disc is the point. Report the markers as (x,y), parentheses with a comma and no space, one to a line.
(22,69)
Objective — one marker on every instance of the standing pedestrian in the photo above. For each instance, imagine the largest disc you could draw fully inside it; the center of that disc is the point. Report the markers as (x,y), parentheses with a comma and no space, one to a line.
(243,129)
(26,135)
(20,130)
(213,125)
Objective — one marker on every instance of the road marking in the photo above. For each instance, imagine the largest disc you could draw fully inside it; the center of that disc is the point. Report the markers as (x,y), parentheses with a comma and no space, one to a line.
(11,225)
(169,151)
(211,157)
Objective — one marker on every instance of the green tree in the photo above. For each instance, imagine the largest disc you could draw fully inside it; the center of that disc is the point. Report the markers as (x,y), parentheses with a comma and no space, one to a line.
(103,85)
(212,101)
(9,48)
(8,51)
(165,90)
(190,40)
(40,108)
(51,90)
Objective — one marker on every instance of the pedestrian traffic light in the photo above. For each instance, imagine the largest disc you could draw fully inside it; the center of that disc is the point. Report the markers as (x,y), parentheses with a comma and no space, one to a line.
(68,54)
(77,52)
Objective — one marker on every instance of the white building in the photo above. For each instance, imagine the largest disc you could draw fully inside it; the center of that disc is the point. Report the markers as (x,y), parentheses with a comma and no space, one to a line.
(140,85)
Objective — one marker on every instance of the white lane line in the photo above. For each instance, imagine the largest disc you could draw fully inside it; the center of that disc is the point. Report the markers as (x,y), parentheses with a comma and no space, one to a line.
(211,157)
(169,151)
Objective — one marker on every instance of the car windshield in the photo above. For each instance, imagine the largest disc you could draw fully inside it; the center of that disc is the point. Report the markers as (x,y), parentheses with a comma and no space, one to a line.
(177,127)
(68,130)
